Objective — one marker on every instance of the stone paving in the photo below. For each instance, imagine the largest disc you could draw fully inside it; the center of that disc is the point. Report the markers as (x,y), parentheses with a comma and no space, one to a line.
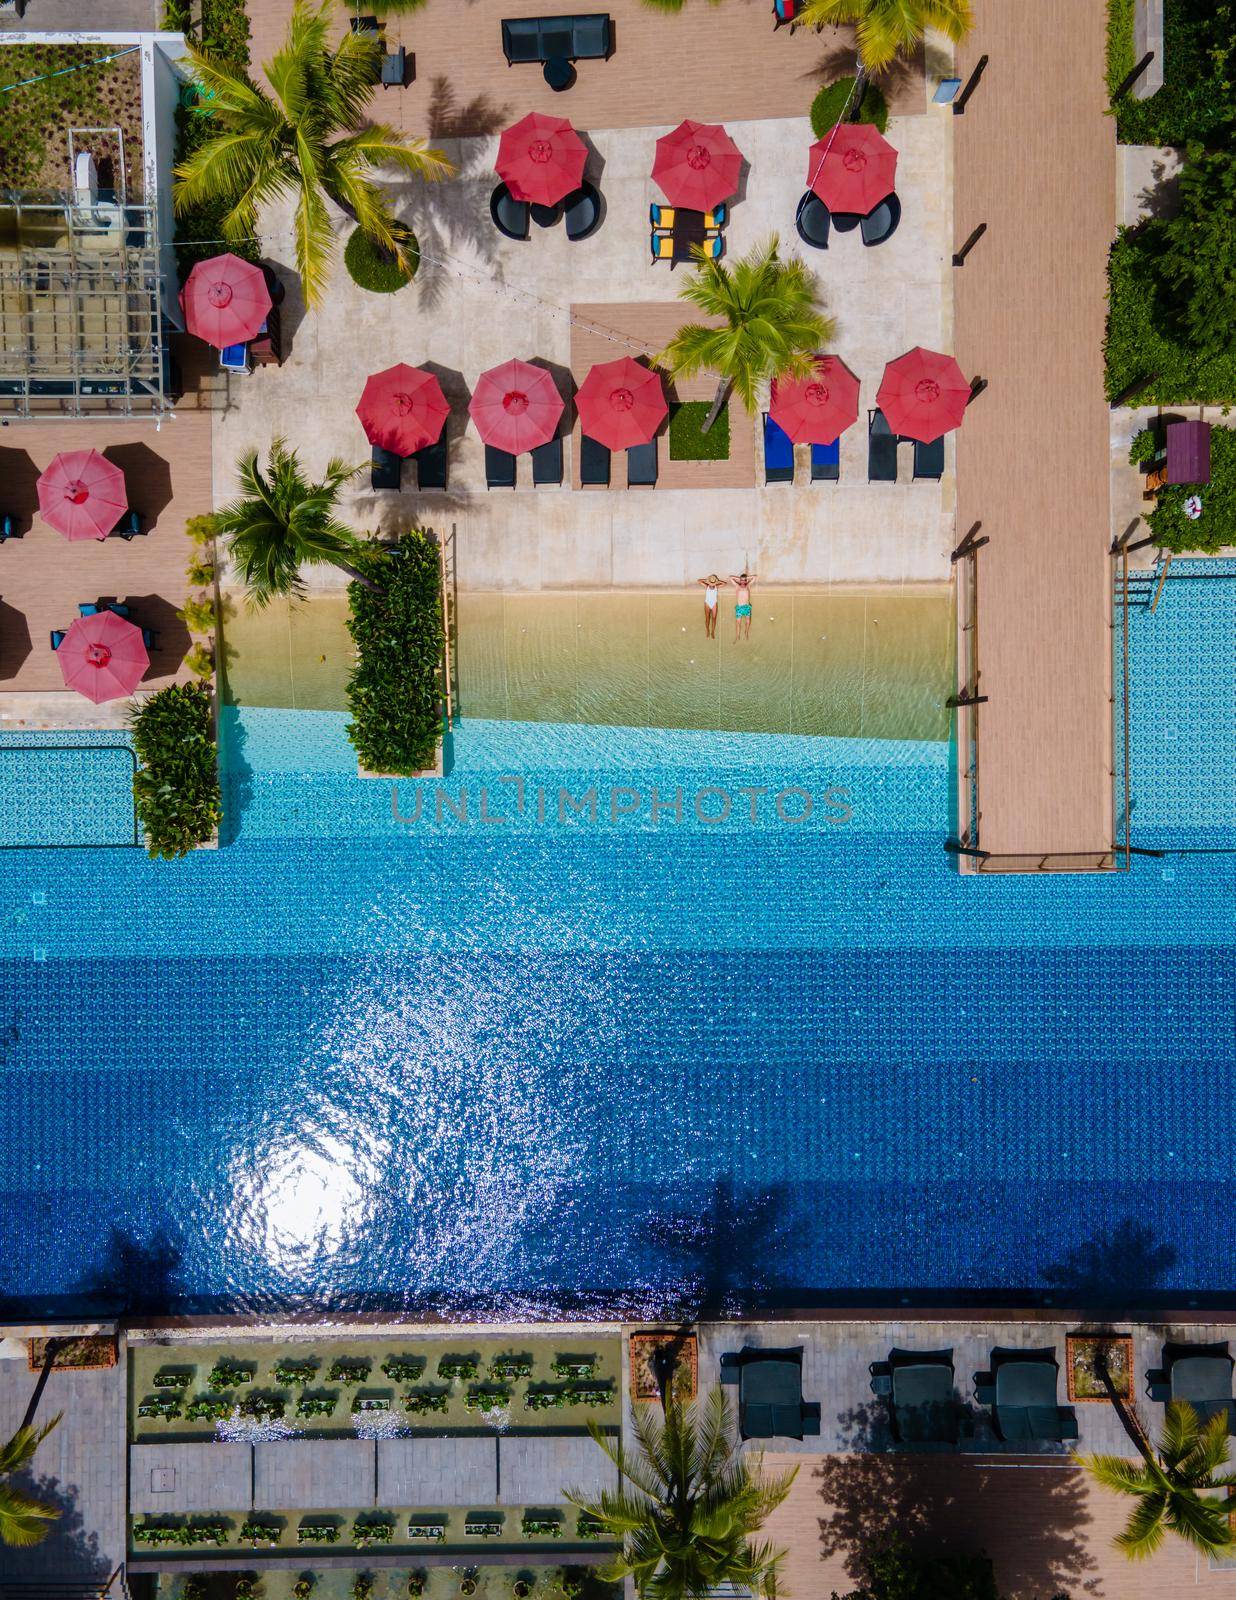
(80,1466)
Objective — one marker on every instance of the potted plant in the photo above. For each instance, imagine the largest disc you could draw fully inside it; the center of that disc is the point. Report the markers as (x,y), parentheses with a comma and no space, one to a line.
(363,1587)
(416,1585)
(467,1584)
(303,1587)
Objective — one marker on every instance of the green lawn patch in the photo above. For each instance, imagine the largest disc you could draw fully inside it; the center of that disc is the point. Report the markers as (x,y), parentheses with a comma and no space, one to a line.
(394,693)
(687,443)
(830,103)
(1196,98)
(1140,345)
(1215,529)
(370,267)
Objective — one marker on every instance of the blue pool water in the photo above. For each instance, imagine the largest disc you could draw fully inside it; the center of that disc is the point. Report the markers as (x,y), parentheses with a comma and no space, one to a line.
(600,1064)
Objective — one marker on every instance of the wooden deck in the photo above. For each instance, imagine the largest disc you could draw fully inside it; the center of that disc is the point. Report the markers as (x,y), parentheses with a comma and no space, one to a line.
(1035,162)
(729,64)
(43,576)
(608,332)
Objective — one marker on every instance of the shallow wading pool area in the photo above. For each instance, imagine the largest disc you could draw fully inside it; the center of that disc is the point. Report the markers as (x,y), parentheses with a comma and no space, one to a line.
(460,1047)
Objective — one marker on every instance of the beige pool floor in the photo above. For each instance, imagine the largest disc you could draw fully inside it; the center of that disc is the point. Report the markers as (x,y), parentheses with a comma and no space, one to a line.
(849,663)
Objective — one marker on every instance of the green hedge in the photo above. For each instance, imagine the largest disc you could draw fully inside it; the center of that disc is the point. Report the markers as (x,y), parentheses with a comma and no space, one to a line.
(1140,344)
(686,441)
(176,786)
(1199,48)
(225,32)
(828,105)
(369,266)
(394,693)
(1215,529)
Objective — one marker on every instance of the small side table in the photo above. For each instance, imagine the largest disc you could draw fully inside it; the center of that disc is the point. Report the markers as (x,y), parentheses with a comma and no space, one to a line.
(546,216)
(559,73)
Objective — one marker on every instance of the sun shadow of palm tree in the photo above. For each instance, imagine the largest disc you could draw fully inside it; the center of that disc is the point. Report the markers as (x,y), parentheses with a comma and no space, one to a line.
(1110,1269)
(134,1274)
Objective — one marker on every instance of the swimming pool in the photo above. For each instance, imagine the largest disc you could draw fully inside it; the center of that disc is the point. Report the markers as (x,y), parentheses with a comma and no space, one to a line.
(361,1056)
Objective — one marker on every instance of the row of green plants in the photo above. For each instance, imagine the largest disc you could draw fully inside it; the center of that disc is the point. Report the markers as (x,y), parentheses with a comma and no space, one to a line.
(566,1582)
(265,1533)
(291,1371)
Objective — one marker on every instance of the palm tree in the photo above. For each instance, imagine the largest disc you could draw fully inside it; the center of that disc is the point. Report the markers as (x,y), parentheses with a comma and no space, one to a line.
(689,1505)
(23,1519)
(888,29)
(283,522)
(769,325)
(309,138)
(1168,1485)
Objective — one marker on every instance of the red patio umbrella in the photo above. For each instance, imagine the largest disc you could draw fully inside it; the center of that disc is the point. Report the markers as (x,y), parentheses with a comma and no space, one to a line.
(516,407)
(225,300)
(923,394)
(852,168)
(403,409)
(697,165)
(82,495)
(541,159)
(103,656)
(621,403)
(818,409)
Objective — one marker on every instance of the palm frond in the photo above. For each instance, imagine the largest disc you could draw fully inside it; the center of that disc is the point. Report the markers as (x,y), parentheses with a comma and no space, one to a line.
(24,1521)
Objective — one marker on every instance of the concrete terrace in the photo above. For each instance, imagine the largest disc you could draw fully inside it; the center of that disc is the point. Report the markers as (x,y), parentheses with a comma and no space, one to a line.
(1035,162)
(479,299)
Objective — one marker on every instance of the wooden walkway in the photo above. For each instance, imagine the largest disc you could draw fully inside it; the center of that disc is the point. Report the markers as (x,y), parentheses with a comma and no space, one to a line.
(1035,162)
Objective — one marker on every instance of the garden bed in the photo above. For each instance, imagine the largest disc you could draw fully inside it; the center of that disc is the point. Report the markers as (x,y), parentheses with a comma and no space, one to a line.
(1139,345)
(644,1350)
(1083,1351)
(87,1352)
(1215,528)
(1198,57)
(180,1377)
(34,131)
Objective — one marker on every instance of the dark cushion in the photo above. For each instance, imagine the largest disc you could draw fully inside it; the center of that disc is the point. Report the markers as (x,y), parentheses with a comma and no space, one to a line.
(521,39)
(510,216)
(593,461)
(642,464)
(387,469)
(431,465)
(499,468)
(583,212)
(547,462)
(591,37)
(929,458)
(881,223)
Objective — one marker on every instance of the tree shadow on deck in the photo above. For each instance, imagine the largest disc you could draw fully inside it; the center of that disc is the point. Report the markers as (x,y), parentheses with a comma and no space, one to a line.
(68,1553)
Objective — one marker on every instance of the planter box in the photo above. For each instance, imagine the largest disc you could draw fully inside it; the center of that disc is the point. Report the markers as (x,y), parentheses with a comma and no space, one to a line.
(436,771)
(1081,1350)
(645,1346)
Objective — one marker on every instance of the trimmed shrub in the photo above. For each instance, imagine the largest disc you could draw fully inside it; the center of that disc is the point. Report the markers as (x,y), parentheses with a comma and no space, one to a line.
(370,267)
(830,103)
(394,693)
(687,443)
(176,787)
(1215,529)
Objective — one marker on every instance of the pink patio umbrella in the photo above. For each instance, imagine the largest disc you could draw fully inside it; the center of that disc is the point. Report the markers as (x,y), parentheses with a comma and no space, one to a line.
(697,166)
(403,409)
(852,168)
(541,159)
(621,403)
(225,300)
(923,394)
(818,409)
(103,657)
(82,495)
(516,407)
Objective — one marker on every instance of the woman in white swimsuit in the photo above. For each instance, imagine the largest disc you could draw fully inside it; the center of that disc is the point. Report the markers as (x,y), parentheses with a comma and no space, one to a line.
(711,584)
